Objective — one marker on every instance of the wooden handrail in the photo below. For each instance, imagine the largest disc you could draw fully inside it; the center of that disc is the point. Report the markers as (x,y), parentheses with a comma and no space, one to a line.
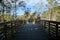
(50,26)
(7,28)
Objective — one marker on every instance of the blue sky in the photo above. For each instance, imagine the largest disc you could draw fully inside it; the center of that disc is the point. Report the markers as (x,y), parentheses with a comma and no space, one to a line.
(34,5)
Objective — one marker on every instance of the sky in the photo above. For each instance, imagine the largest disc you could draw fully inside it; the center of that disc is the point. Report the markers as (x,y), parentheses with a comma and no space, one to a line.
(38,6)
(35,5)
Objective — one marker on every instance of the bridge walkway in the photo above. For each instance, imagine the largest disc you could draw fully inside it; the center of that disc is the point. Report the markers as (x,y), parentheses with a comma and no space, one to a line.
(30,32)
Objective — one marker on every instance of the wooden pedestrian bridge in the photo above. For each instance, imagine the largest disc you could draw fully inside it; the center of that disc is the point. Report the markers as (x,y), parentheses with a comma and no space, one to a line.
(20,30)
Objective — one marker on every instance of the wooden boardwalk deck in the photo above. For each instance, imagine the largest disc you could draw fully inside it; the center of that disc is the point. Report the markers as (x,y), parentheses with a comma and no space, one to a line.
(30,32)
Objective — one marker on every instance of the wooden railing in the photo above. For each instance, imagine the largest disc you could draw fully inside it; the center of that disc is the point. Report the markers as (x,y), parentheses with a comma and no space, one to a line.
(7,29)
(51,27)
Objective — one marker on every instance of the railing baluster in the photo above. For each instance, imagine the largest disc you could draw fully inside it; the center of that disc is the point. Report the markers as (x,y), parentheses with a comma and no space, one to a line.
(49,28)
(56,31)
(42,23)
(5,31)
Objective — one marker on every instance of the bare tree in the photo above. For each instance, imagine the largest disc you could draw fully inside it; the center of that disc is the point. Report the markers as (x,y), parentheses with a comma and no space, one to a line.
(52,3)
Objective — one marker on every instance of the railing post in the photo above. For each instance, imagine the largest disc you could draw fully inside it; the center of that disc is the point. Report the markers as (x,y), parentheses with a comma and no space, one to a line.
(44,24)
(56,31)
(14,22)
(41,24)
(12,29)
(49,28)
(5,31)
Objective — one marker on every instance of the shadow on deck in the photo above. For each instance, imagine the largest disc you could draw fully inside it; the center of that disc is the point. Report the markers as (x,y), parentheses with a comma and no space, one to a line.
(30,32)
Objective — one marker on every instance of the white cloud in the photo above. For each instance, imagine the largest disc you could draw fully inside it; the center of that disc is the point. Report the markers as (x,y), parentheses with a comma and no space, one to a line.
(58,1)
(36,5)
(32,2)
